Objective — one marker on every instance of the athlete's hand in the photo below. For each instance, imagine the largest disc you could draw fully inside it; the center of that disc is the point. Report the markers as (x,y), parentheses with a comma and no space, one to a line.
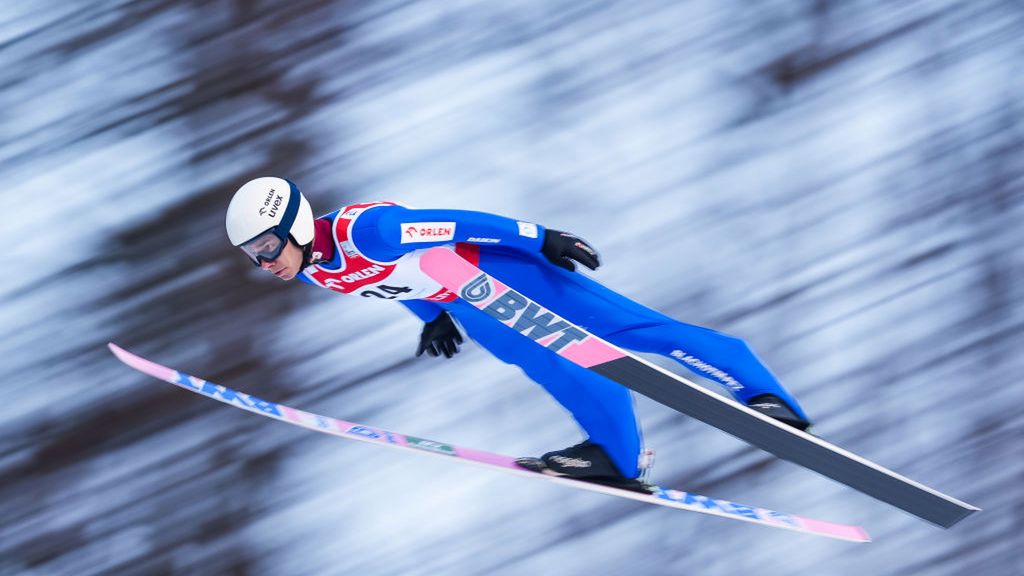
(561,248)
(440,336)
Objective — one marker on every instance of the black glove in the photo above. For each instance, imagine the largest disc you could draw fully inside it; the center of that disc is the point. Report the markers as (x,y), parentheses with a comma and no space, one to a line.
(440,336)
(561,248)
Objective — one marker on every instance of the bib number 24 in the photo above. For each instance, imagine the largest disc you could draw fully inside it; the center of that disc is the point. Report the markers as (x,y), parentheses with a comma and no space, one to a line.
(393,291)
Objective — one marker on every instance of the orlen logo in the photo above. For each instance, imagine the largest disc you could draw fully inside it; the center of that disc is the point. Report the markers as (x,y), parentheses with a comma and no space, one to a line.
(525,317)
(363,274)
(427,232)
(356,276)
(277,199)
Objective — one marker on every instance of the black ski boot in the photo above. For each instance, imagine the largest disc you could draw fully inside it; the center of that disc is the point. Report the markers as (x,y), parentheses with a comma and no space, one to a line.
(772,406)
(585,461)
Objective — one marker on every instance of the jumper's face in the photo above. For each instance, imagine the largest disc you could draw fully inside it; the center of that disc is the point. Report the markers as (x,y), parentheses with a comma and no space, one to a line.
(287,265)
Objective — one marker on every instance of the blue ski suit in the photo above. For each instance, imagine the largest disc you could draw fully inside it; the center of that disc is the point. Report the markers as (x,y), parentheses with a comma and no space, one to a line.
(375,254)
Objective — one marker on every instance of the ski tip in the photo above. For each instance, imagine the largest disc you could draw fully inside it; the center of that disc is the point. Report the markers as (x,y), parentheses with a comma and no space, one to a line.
(117,350)
(142,365)
(123,355)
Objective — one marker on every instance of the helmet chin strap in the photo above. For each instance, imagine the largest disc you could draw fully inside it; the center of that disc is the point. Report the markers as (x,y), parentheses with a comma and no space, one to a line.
(307,254)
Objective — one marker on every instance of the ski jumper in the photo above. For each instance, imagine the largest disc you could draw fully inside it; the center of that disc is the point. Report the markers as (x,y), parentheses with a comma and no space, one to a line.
(373,249)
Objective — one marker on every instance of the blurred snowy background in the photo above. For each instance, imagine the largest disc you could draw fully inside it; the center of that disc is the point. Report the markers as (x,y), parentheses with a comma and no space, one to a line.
(839,183)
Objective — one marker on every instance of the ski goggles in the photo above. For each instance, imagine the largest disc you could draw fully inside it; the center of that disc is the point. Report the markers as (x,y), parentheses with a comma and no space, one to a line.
(268,245)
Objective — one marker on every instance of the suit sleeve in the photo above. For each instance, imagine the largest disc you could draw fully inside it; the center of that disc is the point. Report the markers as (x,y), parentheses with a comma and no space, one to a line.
(425,310)
(388,232)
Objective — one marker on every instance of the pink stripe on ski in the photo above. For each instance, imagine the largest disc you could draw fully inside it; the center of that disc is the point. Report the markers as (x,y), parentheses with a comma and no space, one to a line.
(454,272)
(142,365)
(487,458)
(590,352)
(855,533)
(449,266)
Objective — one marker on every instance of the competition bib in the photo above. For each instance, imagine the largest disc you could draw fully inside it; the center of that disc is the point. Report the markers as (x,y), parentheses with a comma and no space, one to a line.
(357,274)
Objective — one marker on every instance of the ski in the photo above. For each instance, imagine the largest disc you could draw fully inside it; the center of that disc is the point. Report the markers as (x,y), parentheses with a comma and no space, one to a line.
(353,431)
(572,342)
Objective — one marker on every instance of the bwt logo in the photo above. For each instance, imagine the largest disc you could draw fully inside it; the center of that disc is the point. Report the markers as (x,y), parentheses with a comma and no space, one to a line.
(529,318)
(277,200)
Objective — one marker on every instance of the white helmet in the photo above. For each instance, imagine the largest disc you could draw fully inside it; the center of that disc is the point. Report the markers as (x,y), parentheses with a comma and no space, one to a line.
(264,213)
